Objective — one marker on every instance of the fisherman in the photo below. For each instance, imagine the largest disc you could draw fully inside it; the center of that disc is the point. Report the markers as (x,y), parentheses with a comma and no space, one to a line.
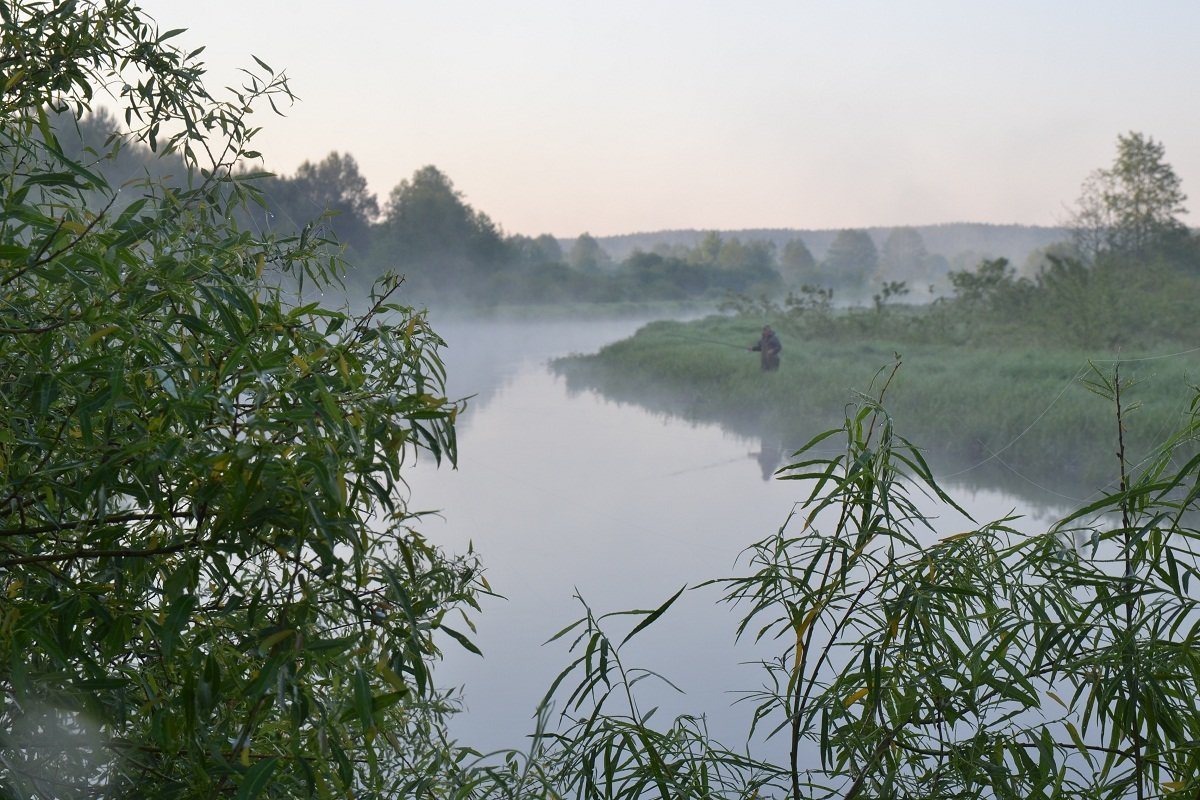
(768,345)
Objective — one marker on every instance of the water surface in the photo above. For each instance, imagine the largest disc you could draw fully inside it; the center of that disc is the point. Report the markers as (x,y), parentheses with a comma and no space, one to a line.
(565,493)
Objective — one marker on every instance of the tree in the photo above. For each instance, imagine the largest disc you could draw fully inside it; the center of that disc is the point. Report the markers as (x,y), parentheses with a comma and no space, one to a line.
(1042,259)
(209,580)
(586,255)
(984,287)
(797,264)
(1092,223)
(663,277)
(851,260)
(756,256)
(904,257)
(1132,209)
(88,141)
(529,251)
(432,235)
(334,191)
(707,250)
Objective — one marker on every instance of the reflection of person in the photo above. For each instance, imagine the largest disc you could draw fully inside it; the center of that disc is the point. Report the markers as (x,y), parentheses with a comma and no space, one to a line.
(768,457)
(768,345)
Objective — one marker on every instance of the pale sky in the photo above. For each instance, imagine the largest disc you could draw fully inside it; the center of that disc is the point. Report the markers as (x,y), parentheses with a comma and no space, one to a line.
(554,116)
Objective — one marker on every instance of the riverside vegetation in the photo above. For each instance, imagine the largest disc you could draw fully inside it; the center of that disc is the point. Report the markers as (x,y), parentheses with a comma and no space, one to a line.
(211,584)
(1021,418)
(993,377)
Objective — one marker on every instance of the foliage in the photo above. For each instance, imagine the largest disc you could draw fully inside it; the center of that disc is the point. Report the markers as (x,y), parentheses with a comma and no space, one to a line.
(753,256)
(329,200)
(604,743)
(1131,210)
(993,284)
(852,259)
(209,582)
(432,235)
(904,256)
(888,291)
(654,275)
(988,663)
(796,263)
(1103,306)
(123,162)
(908,663)
(539,250)
(586,255)
(331,191)
(810,300)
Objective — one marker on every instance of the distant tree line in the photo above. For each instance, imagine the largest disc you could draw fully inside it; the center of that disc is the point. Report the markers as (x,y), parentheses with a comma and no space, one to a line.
(1126,277)
(449,251)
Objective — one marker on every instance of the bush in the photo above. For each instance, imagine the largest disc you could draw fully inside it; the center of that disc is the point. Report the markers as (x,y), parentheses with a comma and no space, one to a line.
(209,582)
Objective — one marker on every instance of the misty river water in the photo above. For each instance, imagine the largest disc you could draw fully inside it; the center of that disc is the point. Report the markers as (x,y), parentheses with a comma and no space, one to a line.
(565,493)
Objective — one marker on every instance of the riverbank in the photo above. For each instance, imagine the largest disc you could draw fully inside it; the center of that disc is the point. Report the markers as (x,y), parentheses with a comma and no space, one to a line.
(1023,417)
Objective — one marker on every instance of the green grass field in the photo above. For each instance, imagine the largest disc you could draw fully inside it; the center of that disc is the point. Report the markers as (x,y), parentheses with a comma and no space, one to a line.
(1018,416)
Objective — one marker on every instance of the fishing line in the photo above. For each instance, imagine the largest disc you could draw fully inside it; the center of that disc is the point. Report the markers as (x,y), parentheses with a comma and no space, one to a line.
(1143,358)
(995,456)
(699,339)
(1146,459)
(714,465)
(1032,482)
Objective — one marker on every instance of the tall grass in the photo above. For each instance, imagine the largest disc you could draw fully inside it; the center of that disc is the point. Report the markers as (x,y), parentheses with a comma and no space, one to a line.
(1018,415)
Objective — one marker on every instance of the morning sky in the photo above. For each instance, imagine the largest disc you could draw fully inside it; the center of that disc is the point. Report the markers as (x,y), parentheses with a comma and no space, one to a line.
(613,117)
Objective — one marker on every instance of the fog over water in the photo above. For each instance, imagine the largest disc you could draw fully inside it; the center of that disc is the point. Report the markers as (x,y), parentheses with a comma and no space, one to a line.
(565,492)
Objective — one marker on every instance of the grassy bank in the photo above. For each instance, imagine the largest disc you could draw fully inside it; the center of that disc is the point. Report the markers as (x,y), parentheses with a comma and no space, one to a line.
(1023,417)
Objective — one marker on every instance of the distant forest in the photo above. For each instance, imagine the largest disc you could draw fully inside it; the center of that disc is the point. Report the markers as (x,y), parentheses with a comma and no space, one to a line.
(958,242)
(450,252)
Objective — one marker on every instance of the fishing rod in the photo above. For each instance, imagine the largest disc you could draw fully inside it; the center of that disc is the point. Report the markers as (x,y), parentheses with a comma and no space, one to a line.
(701,339)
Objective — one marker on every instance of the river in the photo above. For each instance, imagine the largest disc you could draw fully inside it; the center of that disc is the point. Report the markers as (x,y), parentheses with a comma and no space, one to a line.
(568,493)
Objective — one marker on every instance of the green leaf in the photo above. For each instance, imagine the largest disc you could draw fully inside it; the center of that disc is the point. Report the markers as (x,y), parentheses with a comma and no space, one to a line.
(178,616)
(262,64)
(651,616)
(461,639)
(256,779)
(362,700)
(14,252)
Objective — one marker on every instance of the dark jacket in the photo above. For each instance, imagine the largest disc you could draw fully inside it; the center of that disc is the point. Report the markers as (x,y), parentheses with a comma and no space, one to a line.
(769,346)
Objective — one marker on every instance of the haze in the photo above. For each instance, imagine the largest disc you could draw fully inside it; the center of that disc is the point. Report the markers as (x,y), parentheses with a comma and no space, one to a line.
(561,118)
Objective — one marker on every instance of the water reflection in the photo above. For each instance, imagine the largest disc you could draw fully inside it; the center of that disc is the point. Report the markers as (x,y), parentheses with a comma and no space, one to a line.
(568,492)
(483,356)
(770,457)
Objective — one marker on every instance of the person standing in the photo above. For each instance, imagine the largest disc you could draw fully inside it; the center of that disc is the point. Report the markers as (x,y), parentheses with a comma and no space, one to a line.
(768,347)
